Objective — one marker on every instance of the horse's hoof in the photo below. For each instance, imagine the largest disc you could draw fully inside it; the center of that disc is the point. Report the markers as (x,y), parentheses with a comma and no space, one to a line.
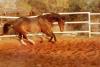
(52,41)
(23,43)
(31,43)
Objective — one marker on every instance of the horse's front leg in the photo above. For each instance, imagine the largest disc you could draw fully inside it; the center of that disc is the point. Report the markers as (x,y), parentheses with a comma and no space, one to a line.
(52,36)
(51,39)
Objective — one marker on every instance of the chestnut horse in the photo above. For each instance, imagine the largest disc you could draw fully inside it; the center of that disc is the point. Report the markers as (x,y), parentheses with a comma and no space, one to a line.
(42,23)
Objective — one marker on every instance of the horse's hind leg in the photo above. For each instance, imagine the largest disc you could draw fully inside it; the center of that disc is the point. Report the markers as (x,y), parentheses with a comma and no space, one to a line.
(20,36)
(30,41)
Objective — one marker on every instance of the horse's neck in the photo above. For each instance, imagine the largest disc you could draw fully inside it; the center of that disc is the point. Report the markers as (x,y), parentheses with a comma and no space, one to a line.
(52,18)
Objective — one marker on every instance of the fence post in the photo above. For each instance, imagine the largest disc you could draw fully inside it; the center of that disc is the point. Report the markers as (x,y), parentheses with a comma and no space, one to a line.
(89,18)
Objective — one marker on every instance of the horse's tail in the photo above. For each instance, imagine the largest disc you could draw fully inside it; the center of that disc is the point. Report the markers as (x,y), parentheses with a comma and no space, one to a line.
(6,28)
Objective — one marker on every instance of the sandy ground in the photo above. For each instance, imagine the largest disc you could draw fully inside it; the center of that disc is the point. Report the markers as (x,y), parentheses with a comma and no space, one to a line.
(66,52)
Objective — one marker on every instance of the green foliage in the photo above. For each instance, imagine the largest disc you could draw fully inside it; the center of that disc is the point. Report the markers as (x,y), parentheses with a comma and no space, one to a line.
(49,5)
(94,6)
(77,6)
(23,5)
(43,6)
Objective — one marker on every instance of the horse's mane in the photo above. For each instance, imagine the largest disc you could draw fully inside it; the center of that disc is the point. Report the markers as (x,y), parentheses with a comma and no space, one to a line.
(52,17)
(24,18)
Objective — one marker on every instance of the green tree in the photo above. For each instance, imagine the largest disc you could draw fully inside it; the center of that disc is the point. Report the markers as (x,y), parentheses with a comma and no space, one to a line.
(77,6)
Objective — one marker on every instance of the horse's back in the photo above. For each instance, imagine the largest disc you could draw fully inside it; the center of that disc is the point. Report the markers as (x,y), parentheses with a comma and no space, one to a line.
(22,25)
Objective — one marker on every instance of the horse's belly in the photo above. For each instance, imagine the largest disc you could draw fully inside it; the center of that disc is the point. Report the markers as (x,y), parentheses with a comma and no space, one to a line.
(35,28)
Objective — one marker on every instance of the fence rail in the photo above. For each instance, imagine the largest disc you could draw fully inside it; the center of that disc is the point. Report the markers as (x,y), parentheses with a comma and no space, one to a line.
(76,22)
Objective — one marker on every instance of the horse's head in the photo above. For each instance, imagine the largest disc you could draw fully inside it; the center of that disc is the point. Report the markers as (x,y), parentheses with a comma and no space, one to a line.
(61,24)
(55,17)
